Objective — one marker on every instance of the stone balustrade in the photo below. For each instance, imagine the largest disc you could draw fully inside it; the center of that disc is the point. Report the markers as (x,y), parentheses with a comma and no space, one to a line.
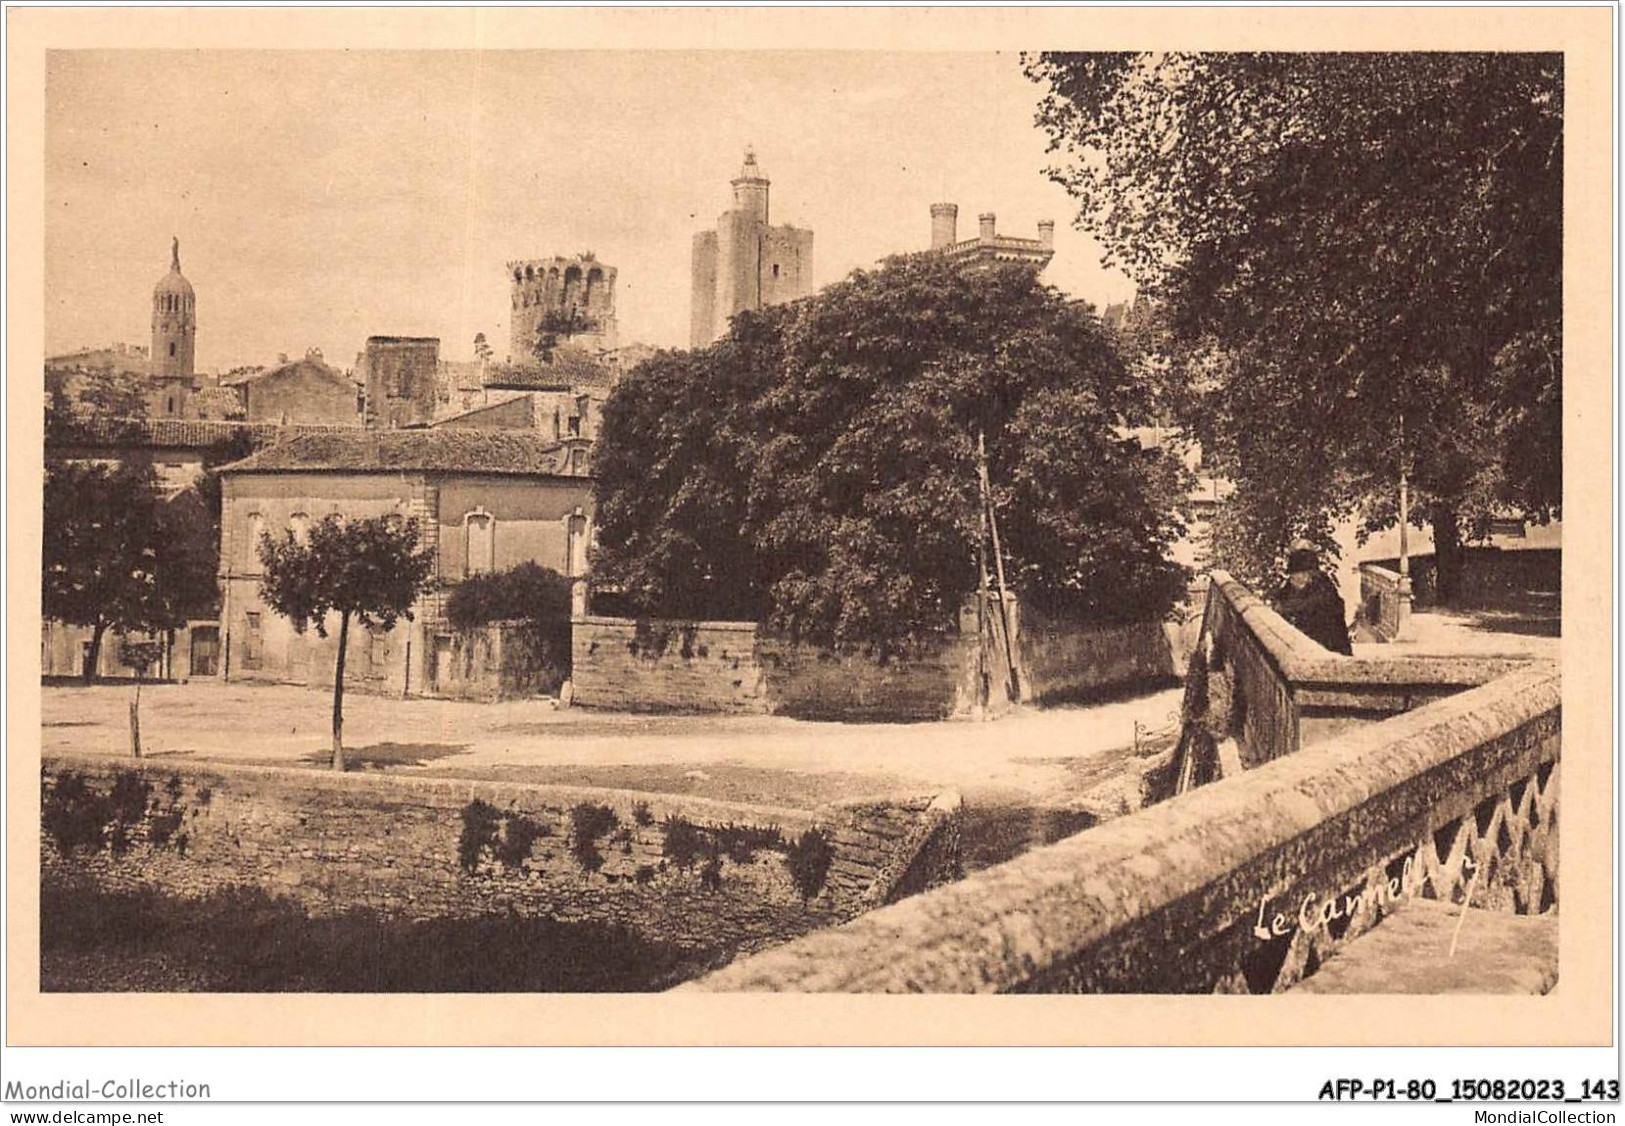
(1245,886)
(1257,688)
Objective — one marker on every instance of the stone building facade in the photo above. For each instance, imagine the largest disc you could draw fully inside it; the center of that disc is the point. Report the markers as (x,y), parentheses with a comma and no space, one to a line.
(304,391)
(746,262)
(485,500)
(573,297)
(401,377)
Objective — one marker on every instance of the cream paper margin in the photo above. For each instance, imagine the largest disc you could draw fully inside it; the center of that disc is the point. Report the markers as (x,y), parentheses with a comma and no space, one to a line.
(1577,1012)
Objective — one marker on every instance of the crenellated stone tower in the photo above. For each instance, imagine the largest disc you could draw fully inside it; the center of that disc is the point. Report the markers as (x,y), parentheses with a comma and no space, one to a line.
(574,298)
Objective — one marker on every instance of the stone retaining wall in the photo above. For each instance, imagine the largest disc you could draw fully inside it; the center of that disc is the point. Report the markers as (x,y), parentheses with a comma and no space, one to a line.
(627,665)
(392,843)
(667,665)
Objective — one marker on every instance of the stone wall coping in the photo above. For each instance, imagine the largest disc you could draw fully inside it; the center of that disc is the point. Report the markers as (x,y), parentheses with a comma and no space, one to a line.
(631,623)
(441,791)
(1302,661)
(1007,925)
(1380,572)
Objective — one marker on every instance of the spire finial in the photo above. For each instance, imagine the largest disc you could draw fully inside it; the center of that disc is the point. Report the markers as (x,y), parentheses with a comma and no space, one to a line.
(175,253)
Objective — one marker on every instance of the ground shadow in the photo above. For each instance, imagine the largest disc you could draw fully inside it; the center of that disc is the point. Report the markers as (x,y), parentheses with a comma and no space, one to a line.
(382,756)
(1529,625)
(245,940)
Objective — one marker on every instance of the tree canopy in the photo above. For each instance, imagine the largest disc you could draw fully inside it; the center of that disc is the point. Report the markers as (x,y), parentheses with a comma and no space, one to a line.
(816,469)
(119,555)
(371,570)
(1359,255)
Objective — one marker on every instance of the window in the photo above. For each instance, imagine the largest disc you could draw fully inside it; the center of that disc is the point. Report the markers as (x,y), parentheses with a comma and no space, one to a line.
(171,347)
(377,651)
(299,525)
(578,462)
(575,426)
(253,640)
(479,537)
(251,544)
(575,562)
(775,269)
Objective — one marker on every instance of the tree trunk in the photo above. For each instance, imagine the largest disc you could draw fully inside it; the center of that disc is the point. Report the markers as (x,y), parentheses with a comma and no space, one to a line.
(1448,555)
(94,654)
(338,691)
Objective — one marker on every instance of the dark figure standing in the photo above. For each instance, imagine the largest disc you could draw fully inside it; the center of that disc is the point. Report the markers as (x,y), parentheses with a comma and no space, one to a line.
(1309,600)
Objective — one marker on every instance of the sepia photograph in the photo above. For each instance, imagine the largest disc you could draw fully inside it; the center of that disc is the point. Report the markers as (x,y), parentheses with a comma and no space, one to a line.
(696,522)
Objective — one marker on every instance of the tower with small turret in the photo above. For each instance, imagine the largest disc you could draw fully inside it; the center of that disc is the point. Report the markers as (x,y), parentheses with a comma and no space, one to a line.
(746,262)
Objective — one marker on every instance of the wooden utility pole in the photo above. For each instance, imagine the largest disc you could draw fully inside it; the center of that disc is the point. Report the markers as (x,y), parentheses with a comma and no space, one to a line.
(991,522)
(1404,507)
(135,722)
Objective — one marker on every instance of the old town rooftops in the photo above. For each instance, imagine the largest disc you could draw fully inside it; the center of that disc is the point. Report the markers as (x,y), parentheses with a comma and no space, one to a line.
(452,450)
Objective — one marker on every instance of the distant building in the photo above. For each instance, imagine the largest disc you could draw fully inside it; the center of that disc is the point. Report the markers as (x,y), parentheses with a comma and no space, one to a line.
(571,298)
(485,499)
(401,377)
(300,391)
(988,246)
(180,451)
(569,416)
(746,262)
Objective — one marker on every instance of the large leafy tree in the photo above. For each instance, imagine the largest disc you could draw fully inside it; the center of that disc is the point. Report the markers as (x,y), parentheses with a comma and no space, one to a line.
(101,553)
(369,570)
(818,467)
(1371,243)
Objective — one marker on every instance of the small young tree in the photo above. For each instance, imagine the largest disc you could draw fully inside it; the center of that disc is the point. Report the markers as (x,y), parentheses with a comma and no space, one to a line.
(371,570)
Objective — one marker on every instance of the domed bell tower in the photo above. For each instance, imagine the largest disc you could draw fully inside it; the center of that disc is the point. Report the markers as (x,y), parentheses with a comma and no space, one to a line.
(174,322)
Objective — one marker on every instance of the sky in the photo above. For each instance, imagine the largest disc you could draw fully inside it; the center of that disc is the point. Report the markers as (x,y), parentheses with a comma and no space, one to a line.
(324,196)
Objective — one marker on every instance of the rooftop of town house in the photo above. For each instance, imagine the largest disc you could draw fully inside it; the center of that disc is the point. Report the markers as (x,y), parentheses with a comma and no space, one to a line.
(178,433)
(451,450)
(525,404)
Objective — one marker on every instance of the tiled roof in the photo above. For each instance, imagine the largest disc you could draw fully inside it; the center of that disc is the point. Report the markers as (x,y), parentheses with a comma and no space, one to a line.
(571,367)
(450,450)
(180,433)
(521,407)
(222,403)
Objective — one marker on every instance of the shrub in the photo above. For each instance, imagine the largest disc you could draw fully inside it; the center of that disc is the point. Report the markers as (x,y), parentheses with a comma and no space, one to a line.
(519,836)
(685,842)
(740,843)
(74,815)
(589,822)
(809,860)
(479,833)
(528,592)
(641,814)
(711,874)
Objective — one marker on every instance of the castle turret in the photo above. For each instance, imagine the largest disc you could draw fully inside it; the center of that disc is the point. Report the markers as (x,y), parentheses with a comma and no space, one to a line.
(944,225)
(750,189)
(985,223)
(174,322)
